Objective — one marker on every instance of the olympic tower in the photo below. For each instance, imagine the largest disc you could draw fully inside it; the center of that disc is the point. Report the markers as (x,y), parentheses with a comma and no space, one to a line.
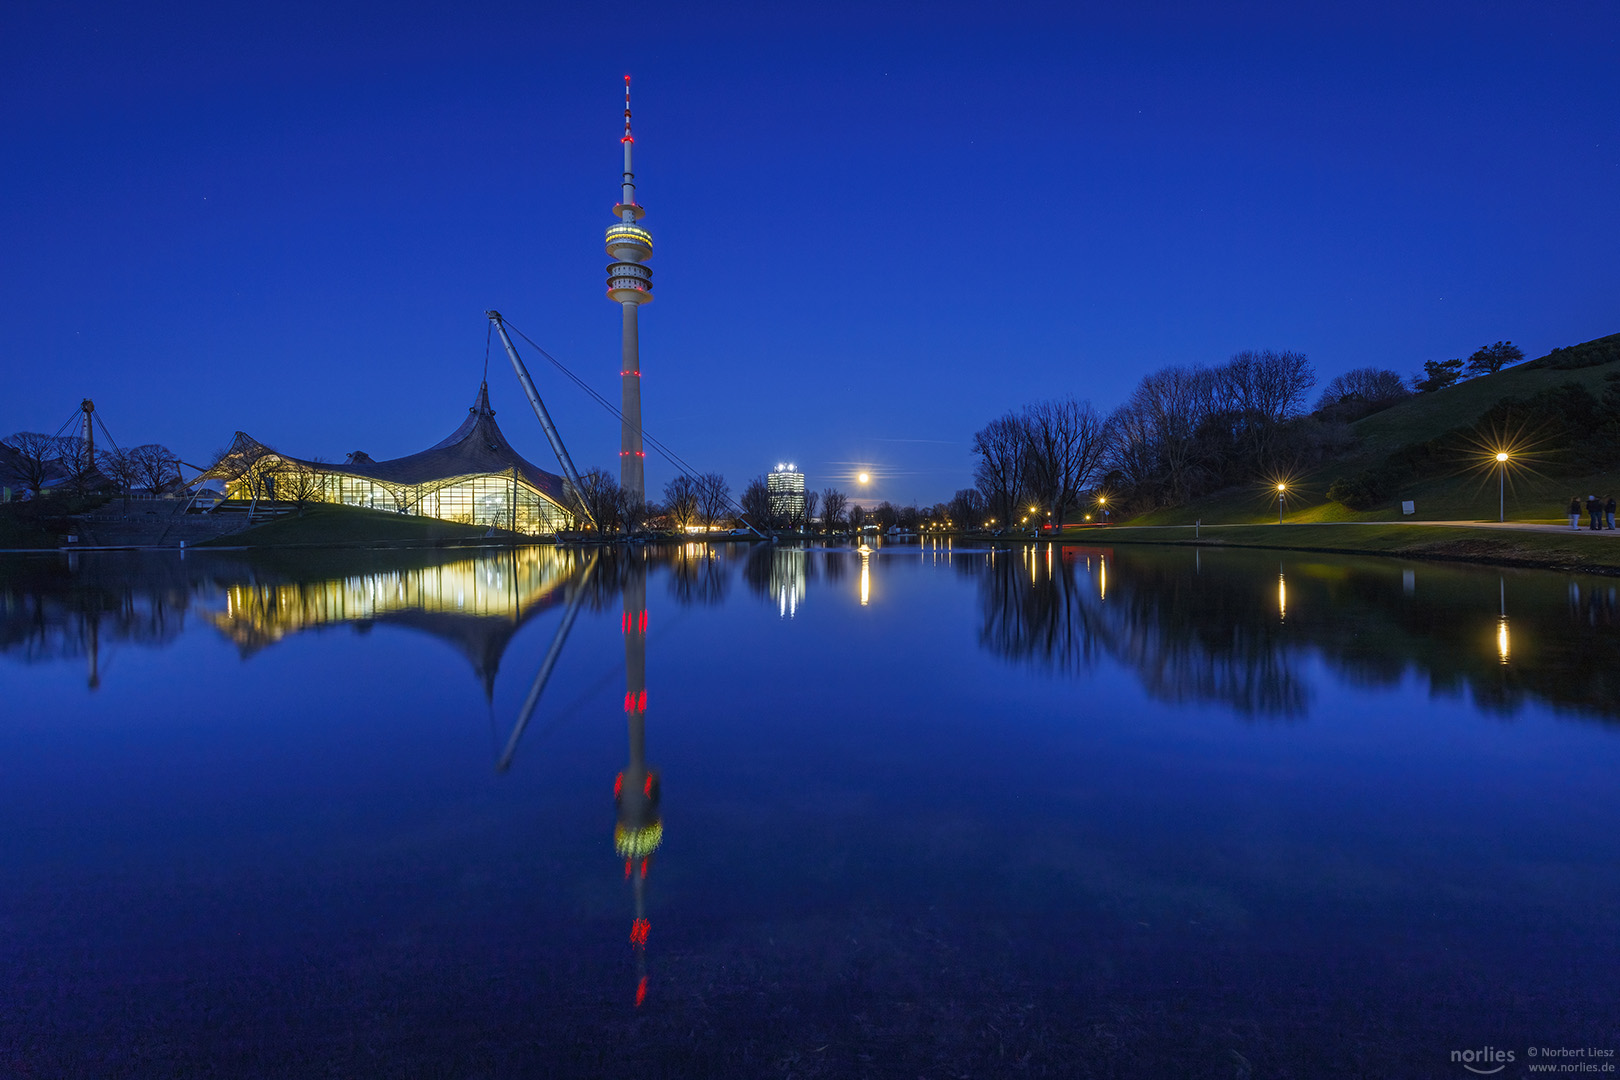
(630,285)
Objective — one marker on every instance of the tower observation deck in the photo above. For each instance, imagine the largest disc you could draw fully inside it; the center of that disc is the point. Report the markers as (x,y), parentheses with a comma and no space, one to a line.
(629,283)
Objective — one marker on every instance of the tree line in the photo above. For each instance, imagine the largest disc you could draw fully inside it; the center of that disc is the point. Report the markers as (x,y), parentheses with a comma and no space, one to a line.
(33,462)
(1184,432)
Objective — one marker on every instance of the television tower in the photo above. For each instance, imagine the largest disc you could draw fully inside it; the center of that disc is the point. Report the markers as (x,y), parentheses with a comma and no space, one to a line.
(630,285)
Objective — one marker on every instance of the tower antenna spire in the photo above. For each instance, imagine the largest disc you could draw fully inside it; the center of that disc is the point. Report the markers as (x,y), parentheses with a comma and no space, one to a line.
(627,136)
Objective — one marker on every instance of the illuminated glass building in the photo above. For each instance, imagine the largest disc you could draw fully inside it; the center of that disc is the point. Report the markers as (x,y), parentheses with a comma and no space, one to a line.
(474,477)
(785,485)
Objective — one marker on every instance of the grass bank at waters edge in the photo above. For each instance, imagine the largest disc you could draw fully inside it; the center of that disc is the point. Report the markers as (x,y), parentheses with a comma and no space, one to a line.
(1537,489)
(1585,552)
(353,526)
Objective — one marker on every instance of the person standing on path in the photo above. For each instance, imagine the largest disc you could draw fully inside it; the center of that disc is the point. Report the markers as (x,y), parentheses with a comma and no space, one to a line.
(1608,510)
(1593,509)
(1575,512)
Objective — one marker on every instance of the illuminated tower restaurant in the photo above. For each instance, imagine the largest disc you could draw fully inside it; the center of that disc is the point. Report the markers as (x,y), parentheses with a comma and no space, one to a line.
(630,285)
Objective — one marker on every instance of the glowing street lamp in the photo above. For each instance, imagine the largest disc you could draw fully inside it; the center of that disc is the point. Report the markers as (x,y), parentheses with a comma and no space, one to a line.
(1282,493)
(1501,485)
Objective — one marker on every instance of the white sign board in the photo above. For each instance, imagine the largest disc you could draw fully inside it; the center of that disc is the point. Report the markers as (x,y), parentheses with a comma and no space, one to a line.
(1408,508)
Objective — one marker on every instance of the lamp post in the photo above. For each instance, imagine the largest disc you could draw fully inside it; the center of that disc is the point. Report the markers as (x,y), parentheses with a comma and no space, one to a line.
(1282,493)
(1501,485)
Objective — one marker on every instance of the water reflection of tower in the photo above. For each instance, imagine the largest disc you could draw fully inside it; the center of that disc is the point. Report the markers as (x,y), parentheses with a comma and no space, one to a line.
(639,830)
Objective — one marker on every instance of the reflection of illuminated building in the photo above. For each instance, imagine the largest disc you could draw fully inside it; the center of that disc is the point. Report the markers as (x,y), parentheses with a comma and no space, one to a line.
(785,486)
(639,830)
(473,476)
(787,579)
(476,603)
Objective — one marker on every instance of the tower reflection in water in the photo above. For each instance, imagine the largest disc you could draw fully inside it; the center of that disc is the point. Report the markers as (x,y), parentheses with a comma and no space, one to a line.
(639,829)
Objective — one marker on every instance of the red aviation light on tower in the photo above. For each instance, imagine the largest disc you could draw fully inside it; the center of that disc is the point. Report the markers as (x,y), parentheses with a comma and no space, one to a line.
(627,136)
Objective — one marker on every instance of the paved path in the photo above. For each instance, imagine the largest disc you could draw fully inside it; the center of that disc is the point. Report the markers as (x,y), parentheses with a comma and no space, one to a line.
(1520,526)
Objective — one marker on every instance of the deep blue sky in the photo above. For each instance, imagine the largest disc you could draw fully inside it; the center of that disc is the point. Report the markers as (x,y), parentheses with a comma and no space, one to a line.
(877,227)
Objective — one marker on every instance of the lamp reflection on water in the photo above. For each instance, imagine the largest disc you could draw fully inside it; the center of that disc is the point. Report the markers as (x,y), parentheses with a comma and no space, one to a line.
(1501,620)
(1282,595)
(866,575)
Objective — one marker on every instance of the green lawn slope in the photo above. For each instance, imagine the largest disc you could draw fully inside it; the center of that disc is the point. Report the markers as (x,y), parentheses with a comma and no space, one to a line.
(1427,415)
(1583,551)
(1468,493)
(354,526)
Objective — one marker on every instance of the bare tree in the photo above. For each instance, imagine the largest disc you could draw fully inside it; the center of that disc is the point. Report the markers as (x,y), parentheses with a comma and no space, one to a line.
(600,494)
(74,458)
(966,509)
(683,501)
(158,466)
(833,503)
(245,466)
(31,461)
(1001,474)
(120,467)
(1367,384)
(714,498)
(297,483)
(857,517)
(1066,443)
(810,498)
(756,503)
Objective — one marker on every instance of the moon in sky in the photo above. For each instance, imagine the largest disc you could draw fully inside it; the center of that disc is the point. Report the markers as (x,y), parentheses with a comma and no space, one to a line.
(864,477)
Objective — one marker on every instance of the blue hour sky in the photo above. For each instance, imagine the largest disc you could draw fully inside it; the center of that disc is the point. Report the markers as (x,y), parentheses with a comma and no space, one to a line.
(876,226)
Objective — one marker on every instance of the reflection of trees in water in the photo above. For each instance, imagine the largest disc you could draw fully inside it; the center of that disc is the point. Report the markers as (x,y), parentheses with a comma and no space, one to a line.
(1034,617)
(1189,642)
(71,609)
(1219,635)
(1185,643)
(697,575)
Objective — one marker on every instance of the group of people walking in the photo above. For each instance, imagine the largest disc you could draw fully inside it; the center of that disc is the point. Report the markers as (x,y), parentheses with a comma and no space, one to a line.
(1599,511)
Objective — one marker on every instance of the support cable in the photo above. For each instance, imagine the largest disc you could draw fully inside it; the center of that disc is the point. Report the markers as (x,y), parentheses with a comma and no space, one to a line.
(681,465)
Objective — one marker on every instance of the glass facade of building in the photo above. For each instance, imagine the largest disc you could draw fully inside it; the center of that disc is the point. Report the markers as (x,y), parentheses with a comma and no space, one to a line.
(785,484)
(506,502)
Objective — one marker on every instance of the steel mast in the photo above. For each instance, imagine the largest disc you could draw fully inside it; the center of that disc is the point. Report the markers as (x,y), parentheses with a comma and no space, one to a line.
(552,437)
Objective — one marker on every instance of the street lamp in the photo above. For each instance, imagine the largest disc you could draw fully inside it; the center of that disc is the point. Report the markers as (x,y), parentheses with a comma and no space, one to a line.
(1282,493)
(1501,485)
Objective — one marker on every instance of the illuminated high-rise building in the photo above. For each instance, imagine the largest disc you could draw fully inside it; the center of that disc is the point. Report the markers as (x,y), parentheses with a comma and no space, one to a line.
(630,285)
(785,485)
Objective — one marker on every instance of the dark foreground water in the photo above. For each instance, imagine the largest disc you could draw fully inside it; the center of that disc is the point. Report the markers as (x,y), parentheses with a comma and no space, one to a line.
(916,813)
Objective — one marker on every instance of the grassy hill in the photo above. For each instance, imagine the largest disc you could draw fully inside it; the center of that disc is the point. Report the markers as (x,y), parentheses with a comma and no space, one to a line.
(353,526)
(1427,415)
(1534,493)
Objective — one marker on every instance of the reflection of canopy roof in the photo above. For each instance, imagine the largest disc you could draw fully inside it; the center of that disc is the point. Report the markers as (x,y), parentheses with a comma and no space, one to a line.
(476,604)
(476,447)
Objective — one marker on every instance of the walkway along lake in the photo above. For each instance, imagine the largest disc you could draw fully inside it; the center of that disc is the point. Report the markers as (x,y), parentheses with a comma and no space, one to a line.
(1040,811)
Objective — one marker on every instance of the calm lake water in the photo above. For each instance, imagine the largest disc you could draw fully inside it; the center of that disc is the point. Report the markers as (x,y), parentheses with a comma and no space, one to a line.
(920,812)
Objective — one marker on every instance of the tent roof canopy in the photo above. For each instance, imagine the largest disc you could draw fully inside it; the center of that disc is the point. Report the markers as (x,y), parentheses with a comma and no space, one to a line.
(477,447)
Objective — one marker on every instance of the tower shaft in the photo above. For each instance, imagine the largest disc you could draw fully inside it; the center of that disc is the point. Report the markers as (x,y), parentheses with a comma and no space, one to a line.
(630,284)
(632,458)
